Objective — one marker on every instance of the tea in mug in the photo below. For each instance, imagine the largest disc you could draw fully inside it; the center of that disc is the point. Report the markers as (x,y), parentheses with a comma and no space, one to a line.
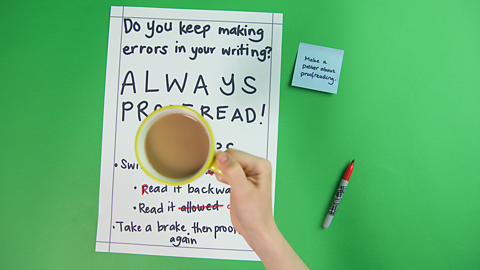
(177,145)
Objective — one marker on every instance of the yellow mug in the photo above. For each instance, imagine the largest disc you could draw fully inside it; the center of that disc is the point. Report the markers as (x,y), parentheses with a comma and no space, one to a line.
(175,145)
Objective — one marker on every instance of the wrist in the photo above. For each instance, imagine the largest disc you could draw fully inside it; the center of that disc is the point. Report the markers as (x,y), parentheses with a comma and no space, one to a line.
(274,250)
(263,238)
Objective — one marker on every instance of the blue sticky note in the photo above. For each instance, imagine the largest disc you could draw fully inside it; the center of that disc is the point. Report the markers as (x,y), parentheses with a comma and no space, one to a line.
(317,68)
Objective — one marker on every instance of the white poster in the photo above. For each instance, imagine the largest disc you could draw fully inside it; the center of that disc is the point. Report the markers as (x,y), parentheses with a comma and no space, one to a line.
(223,64)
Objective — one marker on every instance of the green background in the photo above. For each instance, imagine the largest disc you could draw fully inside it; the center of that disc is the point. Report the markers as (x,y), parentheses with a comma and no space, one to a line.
(407,111)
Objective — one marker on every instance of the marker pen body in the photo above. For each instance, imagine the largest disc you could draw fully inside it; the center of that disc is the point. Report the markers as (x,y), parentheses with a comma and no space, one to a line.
(336,201)
(338,196)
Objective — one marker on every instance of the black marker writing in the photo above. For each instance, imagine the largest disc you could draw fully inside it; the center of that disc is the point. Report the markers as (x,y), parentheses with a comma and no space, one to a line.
(190,28)
(167,26)
(243,31)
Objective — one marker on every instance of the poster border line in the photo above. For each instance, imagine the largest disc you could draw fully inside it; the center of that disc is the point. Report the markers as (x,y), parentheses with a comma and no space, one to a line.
(168,246)
(116,121)
(201,20)
(116,129)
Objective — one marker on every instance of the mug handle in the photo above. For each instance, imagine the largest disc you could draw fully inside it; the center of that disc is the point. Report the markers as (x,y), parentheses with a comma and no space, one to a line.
(214,166)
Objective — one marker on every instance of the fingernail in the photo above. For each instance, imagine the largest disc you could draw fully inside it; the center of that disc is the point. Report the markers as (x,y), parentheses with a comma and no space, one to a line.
(220,178)
(221,157)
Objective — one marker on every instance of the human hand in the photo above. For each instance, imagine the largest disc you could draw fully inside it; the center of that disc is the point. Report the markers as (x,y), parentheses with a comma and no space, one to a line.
(250,178)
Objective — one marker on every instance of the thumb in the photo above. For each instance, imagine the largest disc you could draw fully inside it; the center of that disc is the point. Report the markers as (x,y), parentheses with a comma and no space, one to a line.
(233,173)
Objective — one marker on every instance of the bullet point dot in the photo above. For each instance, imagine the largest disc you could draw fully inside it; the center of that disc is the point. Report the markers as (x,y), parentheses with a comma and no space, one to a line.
(114,227)
(116,164)
(135,208)
(134,187)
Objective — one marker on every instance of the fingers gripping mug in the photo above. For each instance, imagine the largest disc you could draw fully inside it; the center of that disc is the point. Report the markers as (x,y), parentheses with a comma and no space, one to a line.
(175,145)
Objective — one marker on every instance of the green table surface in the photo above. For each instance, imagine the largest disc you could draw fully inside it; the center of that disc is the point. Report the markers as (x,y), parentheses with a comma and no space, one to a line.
(407,111)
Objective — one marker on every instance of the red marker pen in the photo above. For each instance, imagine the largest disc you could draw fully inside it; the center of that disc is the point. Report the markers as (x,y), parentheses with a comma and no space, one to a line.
(338,195)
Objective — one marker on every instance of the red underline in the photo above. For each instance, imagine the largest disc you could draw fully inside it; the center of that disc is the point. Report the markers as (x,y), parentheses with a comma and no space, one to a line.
(198,207)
